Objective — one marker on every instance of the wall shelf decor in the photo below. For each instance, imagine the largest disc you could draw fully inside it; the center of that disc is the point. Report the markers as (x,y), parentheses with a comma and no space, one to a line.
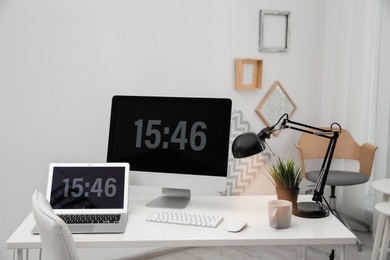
(275,104)
(274,34)
(249,74)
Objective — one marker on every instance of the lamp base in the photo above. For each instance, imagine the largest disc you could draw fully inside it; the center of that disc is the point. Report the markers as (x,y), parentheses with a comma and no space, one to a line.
(310,210)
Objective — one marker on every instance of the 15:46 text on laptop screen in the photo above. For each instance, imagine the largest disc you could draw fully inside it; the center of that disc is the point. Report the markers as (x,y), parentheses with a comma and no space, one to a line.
(87,187)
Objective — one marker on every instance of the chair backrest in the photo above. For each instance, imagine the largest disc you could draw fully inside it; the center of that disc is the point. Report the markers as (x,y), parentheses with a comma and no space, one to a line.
(57,241)
(314,147)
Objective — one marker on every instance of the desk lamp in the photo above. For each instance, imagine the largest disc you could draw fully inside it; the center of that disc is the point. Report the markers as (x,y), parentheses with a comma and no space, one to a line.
(249,144)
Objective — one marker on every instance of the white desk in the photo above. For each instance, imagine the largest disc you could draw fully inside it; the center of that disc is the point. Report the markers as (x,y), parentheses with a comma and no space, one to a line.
(252,209)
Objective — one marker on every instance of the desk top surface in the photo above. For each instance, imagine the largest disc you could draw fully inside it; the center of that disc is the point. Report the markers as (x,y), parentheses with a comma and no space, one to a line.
(252,209)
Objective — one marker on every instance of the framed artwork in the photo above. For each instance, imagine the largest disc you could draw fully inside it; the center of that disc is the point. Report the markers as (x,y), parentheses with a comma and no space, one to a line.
(249,74)
(274,34)
(275,104)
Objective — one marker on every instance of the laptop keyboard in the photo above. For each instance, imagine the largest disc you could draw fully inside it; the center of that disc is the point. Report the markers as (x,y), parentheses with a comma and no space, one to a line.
(90,218)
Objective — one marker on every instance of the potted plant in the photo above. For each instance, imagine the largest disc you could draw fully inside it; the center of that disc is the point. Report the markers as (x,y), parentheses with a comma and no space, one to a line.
(286,176)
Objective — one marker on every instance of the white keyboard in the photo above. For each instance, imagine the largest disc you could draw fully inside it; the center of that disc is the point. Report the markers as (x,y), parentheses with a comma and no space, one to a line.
(185,218)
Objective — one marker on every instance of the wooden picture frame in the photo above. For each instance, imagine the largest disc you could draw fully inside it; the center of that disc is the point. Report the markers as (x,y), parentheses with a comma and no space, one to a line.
(274,31)
(249,74)
(275,103)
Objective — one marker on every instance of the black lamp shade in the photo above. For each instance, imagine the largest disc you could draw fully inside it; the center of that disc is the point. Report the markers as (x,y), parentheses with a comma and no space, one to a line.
(247,144)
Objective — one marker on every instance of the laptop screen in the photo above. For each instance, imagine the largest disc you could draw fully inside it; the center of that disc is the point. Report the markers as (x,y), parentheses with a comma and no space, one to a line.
(87,187)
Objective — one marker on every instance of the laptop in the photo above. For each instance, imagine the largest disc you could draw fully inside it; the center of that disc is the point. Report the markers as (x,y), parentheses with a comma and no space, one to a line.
(89,192)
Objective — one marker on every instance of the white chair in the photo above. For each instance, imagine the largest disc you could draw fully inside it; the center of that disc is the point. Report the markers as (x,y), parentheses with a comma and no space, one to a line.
(57,241)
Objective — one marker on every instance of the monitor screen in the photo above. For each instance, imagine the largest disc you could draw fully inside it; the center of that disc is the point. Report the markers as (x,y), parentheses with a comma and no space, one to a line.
(168,140)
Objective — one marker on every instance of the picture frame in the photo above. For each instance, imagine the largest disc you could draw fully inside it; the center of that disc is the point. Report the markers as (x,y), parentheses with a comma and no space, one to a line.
(274,31)
(275,103)
(249,74)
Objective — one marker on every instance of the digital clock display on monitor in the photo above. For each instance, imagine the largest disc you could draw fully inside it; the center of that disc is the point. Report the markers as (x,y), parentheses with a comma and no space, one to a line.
(174,135)
(87,187)
(149,134)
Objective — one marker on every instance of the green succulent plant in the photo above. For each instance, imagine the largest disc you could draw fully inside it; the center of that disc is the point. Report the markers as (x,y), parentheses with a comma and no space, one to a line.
(286,175)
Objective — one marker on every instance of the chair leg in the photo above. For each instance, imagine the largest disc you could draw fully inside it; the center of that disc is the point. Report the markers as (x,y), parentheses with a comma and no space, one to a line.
(333,205)
(338,215)
(358,242)
(378,237)
(385,242)
(357,221)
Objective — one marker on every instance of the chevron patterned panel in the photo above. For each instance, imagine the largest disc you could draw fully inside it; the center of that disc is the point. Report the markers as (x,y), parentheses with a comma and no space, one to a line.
(241,172)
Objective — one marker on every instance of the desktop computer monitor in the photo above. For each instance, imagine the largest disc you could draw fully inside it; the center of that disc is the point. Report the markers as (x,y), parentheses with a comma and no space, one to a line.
(176,143)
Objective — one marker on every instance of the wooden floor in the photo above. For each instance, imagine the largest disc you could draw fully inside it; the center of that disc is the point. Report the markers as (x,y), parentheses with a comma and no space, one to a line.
(263,252)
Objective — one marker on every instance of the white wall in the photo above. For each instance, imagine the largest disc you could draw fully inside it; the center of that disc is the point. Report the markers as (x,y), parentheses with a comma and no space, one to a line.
(62,61)
(384,92)
(382,161)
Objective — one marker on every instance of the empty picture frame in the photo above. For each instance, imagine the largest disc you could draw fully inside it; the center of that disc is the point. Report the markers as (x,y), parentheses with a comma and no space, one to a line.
(275,104)
(274,34)
(249,74)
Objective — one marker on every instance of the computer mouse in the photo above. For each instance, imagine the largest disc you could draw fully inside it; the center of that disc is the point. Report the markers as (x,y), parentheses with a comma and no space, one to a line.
(235,226)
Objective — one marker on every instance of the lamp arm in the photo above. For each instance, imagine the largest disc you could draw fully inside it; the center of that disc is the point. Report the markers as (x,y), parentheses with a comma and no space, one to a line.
(321,182)
(330,134)
(320,131)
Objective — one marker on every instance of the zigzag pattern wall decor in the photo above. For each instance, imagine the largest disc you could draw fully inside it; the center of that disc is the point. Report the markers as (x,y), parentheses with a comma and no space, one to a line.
(241,172)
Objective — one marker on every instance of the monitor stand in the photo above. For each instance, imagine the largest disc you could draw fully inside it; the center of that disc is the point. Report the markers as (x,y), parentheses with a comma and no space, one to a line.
(171,198)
